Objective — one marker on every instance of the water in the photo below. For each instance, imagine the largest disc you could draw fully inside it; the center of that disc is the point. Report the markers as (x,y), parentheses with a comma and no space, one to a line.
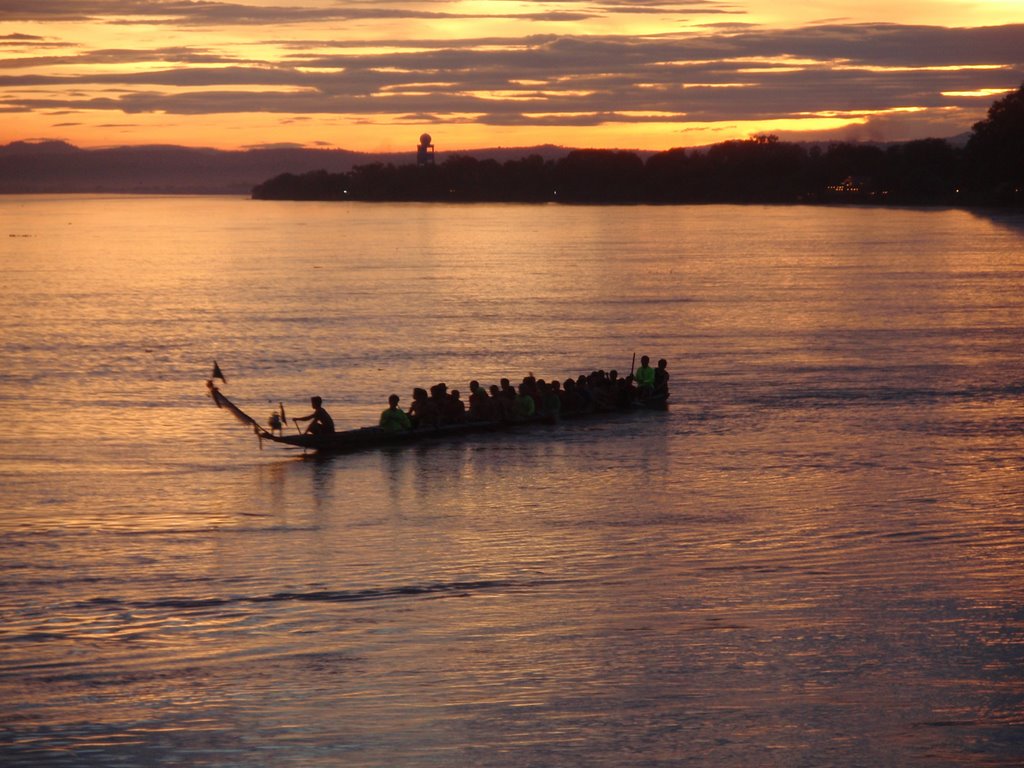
(813,559)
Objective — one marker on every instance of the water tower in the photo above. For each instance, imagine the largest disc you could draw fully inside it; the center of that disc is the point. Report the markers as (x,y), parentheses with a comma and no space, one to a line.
(425,151)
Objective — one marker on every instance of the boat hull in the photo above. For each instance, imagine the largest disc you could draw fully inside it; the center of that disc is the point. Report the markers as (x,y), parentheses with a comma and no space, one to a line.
(367,438)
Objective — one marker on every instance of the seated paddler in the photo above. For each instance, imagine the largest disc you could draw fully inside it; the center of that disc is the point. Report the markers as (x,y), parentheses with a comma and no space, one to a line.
(393,418)
(525,406)
(423,412)
(320,420)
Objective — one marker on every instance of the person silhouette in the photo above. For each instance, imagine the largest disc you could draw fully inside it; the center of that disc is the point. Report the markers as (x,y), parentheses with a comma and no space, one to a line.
(393,418)
(320,420)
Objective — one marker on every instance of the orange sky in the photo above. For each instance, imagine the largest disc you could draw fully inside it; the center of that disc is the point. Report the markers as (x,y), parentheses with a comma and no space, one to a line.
(373,75)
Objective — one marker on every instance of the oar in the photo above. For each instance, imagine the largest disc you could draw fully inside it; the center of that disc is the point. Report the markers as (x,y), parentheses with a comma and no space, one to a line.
(632,365)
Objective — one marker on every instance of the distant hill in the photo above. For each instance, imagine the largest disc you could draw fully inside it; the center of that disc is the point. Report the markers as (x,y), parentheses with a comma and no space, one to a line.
(55,166)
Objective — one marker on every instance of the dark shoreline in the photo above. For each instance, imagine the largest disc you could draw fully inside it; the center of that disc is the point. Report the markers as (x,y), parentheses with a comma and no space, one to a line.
(928,172)
(987,171)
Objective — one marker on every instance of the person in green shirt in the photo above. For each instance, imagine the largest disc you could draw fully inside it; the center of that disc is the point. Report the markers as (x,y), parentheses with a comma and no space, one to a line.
(645,377)
(525,405)
(393,418)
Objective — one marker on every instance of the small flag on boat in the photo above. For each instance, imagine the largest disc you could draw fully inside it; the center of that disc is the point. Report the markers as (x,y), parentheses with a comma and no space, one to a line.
(217,374)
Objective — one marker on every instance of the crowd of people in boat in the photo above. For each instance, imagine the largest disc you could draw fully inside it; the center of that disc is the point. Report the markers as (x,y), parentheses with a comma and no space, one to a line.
(504,403)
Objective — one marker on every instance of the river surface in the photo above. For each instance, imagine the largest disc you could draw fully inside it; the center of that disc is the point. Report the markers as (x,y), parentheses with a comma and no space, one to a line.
(814,558)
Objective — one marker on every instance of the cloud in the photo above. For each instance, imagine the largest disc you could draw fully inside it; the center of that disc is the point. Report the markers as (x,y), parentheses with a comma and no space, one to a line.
(189,13)
(210,13)
(279,145)
(881,75)
(116,56)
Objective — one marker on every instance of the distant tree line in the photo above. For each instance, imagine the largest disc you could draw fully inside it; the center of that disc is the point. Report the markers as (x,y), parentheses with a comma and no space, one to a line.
(989,170)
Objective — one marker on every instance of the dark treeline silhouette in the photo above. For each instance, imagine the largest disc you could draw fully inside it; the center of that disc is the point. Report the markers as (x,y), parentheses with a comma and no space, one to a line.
(989,170)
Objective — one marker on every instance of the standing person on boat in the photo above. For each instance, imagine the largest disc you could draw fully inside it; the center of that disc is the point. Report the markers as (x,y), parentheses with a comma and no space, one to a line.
(320,420)
(661,379)
(645,377)
(393,418)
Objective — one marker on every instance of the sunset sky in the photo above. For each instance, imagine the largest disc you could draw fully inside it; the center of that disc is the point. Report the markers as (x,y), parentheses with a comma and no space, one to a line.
(374,75)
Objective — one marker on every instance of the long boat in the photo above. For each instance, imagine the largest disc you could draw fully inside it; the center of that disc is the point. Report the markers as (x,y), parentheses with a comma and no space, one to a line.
(365,438)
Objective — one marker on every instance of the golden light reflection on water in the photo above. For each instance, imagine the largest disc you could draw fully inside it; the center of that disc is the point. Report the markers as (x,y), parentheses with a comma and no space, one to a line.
(819,540)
